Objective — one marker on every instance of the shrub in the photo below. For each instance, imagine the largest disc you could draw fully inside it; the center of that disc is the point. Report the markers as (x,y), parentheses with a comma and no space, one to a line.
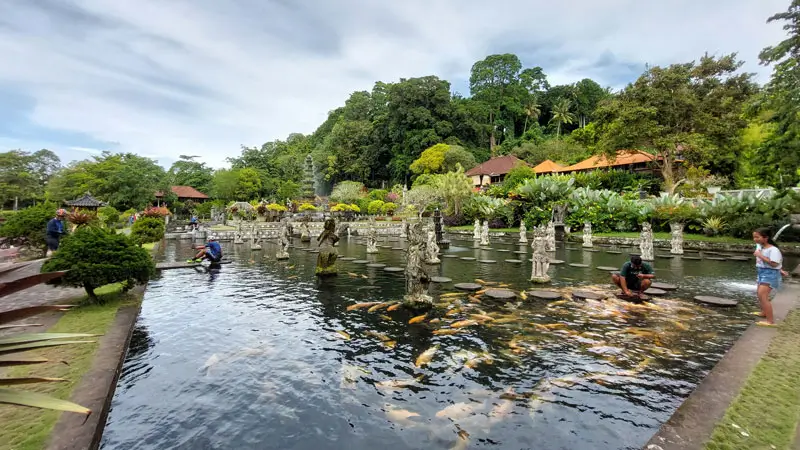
(455,220)
(261,209)
(127,214)
(276,207)
(157,212)
(378,194)
(108,215)
(147,229)
(306,207)
(203,209)
(96,257)
(392,197)
(363,204)
(81,218)
(388,208)
(29,224)
(355,208)
(375,206)
(348,191)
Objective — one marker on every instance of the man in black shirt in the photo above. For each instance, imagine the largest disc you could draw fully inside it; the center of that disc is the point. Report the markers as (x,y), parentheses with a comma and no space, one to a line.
(635,274)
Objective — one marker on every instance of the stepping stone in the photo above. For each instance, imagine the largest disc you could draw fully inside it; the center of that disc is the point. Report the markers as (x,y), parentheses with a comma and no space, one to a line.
(655,291)
(545,295)
(692,258)
(716,258)
(739,258)
(500,294)
(487,261)
(347,258)
(578,265)
(715,301)
(314,251)
(486,248)
(385,246)
(664,286)
(397,248)
(503,250)
(441,280)
(572,249)
(666,256)
(633,298)
(393,269)
(593,250)
(467,258)
(514,261)
(556,261)
(587,295)
(468,286)
(613,252)
(517,252)
(360,261)
(376,266)
(607,268)
(449,256)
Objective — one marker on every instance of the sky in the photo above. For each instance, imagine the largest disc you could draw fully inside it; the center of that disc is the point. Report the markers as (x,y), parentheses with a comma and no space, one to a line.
(203,77)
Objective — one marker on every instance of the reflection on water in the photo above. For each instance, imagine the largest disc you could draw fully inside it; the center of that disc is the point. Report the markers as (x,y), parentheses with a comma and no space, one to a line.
(261,354)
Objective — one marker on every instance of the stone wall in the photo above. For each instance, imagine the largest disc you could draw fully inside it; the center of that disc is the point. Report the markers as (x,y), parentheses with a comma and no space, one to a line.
(271,230)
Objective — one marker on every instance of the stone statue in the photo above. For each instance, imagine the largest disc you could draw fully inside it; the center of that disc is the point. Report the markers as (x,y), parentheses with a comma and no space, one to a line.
(283,251)
(405,191)
(476,232)
(372,237)
(305,233)
(416,278)
(432,249)
(485,233)
(523,237)
(255,239)
(587,235)
(550,238)
(403,228)
(676,241)
(238,238)
(646,242)
(540,260)
(326,260)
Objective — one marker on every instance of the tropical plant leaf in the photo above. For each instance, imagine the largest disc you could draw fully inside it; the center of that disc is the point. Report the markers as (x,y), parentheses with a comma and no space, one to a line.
(25,398)
(10,360)
(35,337)
(28,380)
(21,325)
(10,287)
(21,313)
(31,345)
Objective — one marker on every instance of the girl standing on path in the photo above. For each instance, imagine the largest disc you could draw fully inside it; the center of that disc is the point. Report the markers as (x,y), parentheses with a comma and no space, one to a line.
(769,270)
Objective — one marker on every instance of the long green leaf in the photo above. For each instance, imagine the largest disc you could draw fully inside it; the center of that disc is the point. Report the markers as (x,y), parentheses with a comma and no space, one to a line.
(11,360)
(35,337)
(27,380)
(30,345)
(21,313)
(35,400)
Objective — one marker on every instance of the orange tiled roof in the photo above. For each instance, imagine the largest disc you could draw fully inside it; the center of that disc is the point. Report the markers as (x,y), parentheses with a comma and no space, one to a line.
(184,192)
(548,166)
(496,166)
(623,158)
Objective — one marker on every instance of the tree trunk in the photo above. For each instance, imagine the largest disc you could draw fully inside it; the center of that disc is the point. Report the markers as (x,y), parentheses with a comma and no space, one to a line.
(525,127)
(558,130)
(90,292)
(492,141)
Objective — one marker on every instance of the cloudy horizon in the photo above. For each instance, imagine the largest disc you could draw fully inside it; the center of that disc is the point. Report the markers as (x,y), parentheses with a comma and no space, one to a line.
(202,78)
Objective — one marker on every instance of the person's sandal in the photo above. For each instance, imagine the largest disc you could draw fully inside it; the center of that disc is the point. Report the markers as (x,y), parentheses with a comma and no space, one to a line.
(764,323)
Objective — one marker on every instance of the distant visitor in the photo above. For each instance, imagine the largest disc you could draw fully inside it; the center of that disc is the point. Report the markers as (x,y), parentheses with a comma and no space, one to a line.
(55,229)
(635,275)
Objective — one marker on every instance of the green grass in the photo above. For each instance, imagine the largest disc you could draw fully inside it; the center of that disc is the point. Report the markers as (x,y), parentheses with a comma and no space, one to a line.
(686,236)
(765,413)
(149,246)
(24,428)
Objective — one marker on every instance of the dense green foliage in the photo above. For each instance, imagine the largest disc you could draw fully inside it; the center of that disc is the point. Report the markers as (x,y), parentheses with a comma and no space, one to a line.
(109,216)
(96,257)
(29,224)
(24,175)
(147,229)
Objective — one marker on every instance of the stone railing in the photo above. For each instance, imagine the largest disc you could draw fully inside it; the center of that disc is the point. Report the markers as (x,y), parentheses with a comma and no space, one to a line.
(271,230)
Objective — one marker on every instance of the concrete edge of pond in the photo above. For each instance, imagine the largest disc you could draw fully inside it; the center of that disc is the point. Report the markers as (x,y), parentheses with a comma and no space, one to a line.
(96,388)
(691,425)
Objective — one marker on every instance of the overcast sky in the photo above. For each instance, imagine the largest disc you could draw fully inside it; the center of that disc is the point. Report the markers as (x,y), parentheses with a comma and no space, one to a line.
(202,77)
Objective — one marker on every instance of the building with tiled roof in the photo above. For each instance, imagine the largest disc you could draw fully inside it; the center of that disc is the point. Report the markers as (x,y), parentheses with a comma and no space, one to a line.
(548,166)
(635,160)
(494,170)
(185,193)
(86,202)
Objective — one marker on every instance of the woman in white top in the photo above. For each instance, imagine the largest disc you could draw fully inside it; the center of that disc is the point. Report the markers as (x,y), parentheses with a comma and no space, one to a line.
(768,266)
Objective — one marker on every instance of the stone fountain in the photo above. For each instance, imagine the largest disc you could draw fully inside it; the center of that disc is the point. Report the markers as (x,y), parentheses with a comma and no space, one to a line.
(255,239)
(238,238)
(523,237)
(326,260)
(439,230)
(284,235)
(559,213)
(540,260)
(646,242)
(417,279)
(676,238)
(476,231)
(485,233)
(305,233)
(587,235)
(372,237)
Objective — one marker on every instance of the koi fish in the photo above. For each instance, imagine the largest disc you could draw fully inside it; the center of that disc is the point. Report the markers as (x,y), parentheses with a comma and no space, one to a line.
(447,331)
(397,384)
(479,281)
(456,411)
(483,317)
(361,305)
(481,292)
(558,303)
(380,336)
(377,307)
(418,319)
(435,321)
(452,312)
(343,334)
(385,317)
(354,275)
(452,294)
(680,325)
(523,295)
(425,357)
(463,323)
(394,307)
(389,344)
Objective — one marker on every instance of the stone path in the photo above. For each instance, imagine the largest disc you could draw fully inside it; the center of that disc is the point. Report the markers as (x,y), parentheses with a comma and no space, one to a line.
(41,294)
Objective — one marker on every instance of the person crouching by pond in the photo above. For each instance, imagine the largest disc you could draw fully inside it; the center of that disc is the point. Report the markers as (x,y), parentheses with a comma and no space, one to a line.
(634,275)
(55,229)
(769,269)
(212,252)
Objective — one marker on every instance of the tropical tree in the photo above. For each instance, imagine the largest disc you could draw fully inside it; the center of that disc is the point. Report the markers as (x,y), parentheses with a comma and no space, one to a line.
(562,115)
(532,112)
(455,187)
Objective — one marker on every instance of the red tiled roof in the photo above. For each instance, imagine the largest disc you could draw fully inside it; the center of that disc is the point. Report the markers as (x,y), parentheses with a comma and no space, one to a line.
(623,158)
(548,166)
(496,166)
(184,192)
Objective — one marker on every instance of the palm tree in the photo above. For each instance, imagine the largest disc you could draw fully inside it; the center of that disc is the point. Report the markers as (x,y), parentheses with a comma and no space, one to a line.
(532,111)
(562,115)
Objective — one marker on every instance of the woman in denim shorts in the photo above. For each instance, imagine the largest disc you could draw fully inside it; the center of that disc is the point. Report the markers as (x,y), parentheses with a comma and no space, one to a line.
(769,267)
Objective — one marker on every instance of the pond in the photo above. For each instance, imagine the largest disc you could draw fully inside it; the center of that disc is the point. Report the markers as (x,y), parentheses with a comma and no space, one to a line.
(261,354)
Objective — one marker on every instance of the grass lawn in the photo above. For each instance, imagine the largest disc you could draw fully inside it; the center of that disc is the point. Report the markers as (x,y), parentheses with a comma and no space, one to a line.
(765,413)
(149,246)
(686,237)
(23,428)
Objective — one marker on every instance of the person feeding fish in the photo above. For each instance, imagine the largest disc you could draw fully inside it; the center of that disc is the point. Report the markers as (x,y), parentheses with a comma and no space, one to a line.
(634,274)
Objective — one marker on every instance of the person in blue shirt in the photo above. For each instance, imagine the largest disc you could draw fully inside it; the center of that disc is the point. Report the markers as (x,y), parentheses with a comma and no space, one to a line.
(212,252)
(193,223)
(55,229)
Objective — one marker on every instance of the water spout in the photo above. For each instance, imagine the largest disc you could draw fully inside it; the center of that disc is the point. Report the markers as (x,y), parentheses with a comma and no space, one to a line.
(775,238)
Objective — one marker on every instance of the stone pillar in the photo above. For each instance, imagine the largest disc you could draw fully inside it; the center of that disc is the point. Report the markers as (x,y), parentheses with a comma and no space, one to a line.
(476,232)
(403,228)
(540,260)
(676,241)
(550,239)
(523,238)
(587,235)
(646,242)
(416,278)
(485,233)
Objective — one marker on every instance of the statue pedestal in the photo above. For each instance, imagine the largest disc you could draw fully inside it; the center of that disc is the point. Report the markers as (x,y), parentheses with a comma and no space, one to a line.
(561,233)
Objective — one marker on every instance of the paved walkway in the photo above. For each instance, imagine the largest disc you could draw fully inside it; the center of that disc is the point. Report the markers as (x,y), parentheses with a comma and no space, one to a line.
(41,294)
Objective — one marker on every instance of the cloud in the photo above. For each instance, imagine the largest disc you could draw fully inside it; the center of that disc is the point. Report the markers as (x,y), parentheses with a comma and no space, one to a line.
(203,77)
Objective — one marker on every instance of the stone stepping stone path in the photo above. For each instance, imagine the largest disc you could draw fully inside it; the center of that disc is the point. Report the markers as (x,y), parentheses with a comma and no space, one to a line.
(636,298)
(593,250)
(503,250)
(692,258)
(572,248)
(347,258)
(655,291)
(514,261)
(739,258)
(664,286)
(467,258)
(487,261)
(716,258)
(393,269)
(613,252)
(397,248)
(518,252)
(486,248)
(545,295)
(441,280)
(313,251)
(500,294)
(666,256)
(360,261)
(587,295)
(376,265)
(578,265)
(468,286)
(449,256)
(556,261)
(715,301)
(607,268)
